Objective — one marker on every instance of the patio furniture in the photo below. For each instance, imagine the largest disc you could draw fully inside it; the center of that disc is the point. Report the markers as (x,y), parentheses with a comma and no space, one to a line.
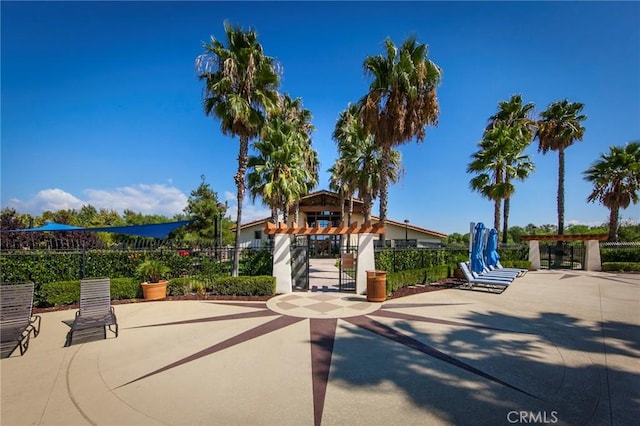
(490,283)
(95,308)
(16,320)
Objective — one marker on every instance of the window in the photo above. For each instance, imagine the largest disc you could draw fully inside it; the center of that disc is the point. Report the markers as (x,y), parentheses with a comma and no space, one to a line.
(257,235)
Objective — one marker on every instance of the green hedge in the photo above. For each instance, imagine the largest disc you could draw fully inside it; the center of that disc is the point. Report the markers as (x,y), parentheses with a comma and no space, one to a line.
(261,285)
(393,260)
(396,280)
(68,292)
(520,264)
(44,266)
(627,254)
(621,266)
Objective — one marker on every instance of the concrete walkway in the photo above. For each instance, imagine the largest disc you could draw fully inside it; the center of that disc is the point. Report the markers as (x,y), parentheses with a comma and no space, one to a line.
(323,274)
(559,347)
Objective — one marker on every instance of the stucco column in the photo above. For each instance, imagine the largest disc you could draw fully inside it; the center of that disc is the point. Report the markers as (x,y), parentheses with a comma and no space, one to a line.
(592,260)
(534,254)
(282,263)
(366,261)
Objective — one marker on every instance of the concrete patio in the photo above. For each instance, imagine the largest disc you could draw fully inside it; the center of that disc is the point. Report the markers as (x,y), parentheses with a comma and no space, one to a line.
(560,347)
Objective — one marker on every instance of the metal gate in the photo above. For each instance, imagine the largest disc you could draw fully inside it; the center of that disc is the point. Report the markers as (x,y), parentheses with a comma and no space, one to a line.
(347,266)
(300,264)
(562,255)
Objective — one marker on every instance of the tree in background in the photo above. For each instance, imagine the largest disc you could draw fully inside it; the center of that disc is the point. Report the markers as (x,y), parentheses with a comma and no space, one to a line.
(616,180)
(241,85)
(498,160)
(299,117)
(359,162)
(515,115)
(278,172)
(559,126)
(204,205)
(401,102)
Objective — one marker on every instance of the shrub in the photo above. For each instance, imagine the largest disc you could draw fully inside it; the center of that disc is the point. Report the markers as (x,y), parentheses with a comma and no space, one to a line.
(621,266)
(261,285)
(627,254)
(396,280)
(179,286)
(256,262)
(68,292)
(520,264)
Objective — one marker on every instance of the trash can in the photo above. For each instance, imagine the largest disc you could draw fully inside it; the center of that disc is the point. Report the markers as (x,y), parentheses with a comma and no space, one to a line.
(376,286)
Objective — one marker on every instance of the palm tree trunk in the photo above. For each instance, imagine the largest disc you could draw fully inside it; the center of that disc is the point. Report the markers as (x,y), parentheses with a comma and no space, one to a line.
(240,184)
(496,213)
(367,208)
(350,210)
(296,212)
(560,191)
(384,187)
(559,259)
(613,224)
(285,214)
(505,219)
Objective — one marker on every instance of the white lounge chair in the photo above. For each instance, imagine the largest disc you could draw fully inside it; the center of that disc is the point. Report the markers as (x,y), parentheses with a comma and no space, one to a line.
(491,283)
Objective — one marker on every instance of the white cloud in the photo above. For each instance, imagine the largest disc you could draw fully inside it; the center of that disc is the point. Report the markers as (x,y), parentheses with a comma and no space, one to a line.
(53,199)
(142,198)
(146,199)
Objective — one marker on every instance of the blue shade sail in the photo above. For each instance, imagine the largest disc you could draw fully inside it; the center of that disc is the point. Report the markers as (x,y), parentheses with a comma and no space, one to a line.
(155,230)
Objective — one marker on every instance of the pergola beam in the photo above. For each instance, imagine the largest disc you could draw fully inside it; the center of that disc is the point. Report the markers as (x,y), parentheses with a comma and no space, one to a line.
(282,228)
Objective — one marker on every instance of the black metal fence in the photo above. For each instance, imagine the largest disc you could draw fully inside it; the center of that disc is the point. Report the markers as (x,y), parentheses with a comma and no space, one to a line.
(562,255)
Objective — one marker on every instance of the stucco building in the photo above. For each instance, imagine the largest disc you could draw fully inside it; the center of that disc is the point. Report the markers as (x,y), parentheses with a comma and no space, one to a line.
(323,208)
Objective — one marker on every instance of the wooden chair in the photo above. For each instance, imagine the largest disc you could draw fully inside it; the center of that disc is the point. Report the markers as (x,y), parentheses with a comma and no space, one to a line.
(95,308)
(16,320)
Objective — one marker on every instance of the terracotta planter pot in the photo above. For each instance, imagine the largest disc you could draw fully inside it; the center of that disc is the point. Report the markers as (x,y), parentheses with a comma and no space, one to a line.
(154,291)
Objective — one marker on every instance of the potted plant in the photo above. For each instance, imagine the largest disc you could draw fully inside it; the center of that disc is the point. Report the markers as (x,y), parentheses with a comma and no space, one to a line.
(153,272)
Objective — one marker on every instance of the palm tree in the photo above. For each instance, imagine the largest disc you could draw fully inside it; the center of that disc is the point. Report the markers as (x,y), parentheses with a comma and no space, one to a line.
(360,162)
(489,164)
(616,180)
(401,101)
(240,88)
(293,111)
(278,173)
(558,128)
(514,114)
(339,182)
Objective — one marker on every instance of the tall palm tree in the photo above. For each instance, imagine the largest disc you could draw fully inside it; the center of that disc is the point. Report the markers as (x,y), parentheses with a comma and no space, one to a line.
(340,183)
(360,162)
(401,101)
(514,114)
(489,164)
(616,181)
(240,88)
(559,126)
(294,112)
(277,173)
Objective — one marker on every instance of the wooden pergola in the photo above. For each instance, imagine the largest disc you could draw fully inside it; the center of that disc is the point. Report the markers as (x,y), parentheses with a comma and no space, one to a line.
(592,253)
(282,254)
(342,229)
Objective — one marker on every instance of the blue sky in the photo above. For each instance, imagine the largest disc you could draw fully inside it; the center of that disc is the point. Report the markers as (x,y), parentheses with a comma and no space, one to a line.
(101,104)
